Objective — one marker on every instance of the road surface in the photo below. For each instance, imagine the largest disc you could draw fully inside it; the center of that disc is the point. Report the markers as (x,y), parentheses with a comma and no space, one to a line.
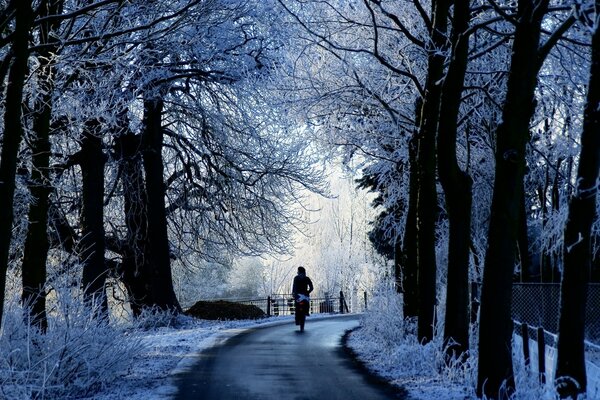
(279,362)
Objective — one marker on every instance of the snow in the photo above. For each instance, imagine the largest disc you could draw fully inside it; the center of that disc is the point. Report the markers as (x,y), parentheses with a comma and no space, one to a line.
(418,369)
(170,351)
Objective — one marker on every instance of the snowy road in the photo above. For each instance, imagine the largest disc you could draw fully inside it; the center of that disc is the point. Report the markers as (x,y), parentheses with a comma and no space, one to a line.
(278,362)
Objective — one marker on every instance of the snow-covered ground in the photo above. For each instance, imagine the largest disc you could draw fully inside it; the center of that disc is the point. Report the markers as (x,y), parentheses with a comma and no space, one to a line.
(169,351)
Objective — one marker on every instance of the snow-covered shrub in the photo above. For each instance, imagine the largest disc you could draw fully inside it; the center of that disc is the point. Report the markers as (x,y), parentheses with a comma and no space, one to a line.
(78,356)
(153,318)
(389,346)
(385,336)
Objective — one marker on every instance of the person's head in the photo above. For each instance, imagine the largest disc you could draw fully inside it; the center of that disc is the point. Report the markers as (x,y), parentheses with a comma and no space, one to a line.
(301,270)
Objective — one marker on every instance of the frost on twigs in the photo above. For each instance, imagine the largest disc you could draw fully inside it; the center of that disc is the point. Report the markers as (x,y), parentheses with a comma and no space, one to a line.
(77,357)
(153,318)
(388,345)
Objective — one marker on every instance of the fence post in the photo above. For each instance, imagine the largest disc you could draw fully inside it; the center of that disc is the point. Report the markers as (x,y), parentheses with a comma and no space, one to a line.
(525,336)
(341,302)
(541,354)
(365,300)
(268,306)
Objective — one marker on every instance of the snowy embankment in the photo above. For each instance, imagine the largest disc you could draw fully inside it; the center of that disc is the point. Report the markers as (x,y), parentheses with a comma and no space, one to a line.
(385,343)
(388,346)
(419,370)
(142,362)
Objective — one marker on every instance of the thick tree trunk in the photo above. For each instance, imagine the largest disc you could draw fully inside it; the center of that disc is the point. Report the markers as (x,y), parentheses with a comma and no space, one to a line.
(161,282)
(12,133)
(36,247)
(495,375)
(135,265)
(570,367)
(410,287)
(35,252)
(92,243)
(427,198)
(457,187)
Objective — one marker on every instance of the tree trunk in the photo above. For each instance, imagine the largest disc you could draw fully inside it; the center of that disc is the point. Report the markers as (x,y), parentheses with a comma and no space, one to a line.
(523,242)
(457,186)
(92,243)
(12,133)
(36,242)
(36,247)
(398,262)
(410,287)
(570,367)
(495,375)
(135,265)
(161,282)
(427,198)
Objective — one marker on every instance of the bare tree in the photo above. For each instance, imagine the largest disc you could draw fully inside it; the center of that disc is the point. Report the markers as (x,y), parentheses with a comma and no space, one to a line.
(495,373)
(36,247)
(570,368)
(457,186)
(13,129)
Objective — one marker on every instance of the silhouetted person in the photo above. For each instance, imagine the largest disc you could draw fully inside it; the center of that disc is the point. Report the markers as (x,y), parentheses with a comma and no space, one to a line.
(302,284)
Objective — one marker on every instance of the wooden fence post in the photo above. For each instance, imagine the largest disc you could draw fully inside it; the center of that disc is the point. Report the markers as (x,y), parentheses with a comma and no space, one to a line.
(268,306)
(541,354)
(341,302)
(365,300)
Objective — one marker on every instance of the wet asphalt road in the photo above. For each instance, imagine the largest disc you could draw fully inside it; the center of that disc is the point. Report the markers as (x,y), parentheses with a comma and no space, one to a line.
(279,362)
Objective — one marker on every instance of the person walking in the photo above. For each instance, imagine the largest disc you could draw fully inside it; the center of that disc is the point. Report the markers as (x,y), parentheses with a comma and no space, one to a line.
(302,285)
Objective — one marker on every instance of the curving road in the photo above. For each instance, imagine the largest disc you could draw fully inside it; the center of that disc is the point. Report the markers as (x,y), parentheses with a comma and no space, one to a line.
(279,362)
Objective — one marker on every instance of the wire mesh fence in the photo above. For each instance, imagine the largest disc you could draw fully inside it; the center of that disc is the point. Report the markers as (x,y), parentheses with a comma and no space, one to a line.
(537,305)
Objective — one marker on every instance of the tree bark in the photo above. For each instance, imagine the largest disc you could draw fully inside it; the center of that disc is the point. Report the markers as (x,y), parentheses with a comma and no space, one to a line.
(495,375)
(457,185)
(12,133)
(427,197)
(410,287)
(523,242)
(161,281)
(570,367)
(92,243)
(135,264)
(36,247)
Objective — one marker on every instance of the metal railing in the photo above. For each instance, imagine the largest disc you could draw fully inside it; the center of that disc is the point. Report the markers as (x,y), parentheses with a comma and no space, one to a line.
(283,304)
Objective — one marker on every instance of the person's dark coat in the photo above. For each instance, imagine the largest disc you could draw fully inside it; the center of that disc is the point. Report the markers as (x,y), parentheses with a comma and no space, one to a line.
(302,285)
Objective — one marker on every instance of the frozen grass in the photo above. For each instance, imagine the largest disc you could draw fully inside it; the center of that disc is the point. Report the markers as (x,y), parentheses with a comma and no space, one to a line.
(78,356)
(171,350)
(86,359)
(388,346)
(83,358)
